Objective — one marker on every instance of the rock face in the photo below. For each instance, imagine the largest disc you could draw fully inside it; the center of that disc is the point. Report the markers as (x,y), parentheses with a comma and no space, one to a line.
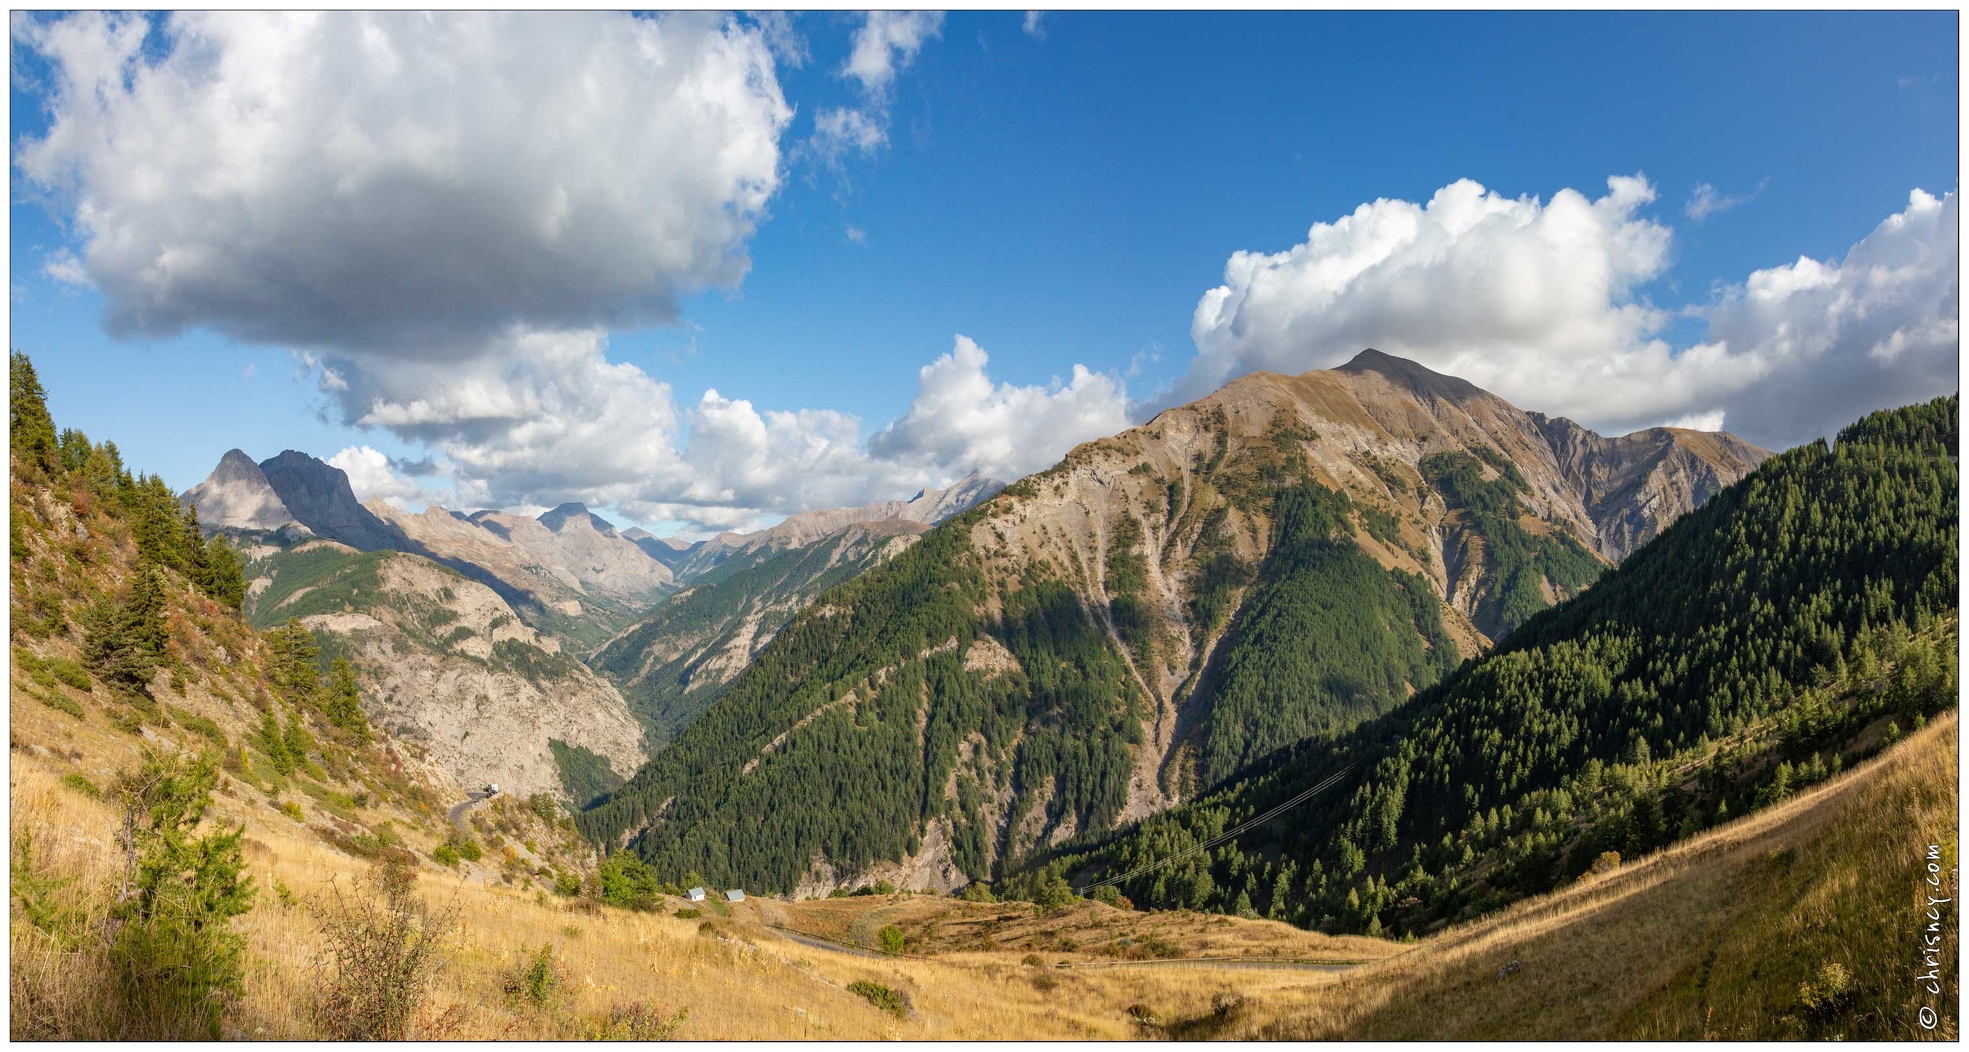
(237,496)
(667,550)
(1613,494)
(446,662)
(565,555)
(318,495)
(1368,526)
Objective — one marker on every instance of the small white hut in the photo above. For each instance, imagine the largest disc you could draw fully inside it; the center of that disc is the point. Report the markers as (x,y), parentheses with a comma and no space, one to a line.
(735,895)
(695,894)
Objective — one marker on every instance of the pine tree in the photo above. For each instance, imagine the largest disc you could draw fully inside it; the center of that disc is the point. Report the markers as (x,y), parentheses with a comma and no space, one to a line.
(30,430)
(124,643)
(179,960)
(342,702)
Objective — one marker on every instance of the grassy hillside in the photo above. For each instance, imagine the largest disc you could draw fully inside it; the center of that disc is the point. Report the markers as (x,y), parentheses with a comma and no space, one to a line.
(1756,646)
(1619,955)
(1741,933)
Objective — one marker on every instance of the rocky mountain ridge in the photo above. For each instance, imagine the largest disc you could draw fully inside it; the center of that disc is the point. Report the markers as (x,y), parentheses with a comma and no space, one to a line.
(1098,630)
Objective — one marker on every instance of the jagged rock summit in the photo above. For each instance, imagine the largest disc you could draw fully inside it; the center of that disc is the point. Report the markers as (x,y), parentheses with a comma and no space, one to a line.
(237,496)
(1615,492)
(319,496)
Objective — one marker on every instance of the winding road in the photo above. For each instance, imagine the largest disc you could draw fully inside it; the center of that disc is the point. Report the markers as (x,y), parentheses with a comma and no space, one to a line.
(457,813)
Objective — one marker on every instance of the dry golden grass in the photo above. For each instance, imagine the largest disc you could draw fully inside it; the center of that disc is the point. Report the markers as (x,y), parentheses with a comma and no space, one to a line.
(1086,932)
(1617,956)
(1704,939)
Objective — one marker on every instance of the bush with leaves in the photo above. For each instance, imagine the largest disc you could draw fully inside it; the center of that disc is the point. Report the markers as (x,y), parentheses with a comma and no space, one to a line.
(893,1002)
(384,950)
(627,881)
(538,982)
(638,1021)
(176,955)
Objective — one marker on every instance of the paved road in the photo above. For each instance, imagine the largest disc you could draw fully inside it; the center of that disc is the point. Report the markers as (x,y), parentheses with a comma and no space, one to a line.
(457,813)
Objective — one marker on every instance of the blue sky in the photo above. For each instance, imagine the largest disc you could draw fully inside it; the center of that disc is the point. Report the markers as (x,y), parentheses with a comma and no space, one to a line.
(1067,197)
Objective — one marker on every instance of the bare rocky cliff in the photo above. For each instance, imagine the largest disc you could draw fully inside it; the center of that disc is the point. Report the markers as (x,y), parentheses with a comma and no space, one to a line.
(445,662)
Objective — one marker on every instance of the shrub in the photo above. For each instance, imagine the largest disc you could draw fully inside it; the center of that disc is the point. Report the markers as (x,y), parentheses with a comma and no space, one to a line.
(977,891)
(199,725)
(1827,993)
(292,809)
(70,673)
(891,939)
(1109,895)
(538,982)
(445,855)
(384,949)
(177,957)
(890,1001)
(80,783)
(627,881)
(1606,863)
(637,1021)
(57,700)
(689,914)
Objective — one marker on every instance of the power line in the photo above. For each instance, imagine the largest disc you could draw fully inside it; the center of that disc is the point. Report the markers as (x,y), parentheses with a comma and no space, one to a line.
(1227,834)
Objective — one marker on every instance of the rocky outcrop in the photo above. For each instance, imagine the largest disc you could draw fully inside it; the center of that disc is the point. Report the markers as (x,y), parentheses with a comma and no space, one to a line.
(569,554)
(237,496)
(319,497)
(445,662)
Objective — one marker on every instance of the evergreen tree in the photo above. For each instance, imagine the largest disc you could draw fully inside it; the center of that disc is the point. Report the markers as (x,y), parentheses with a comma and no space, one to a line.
(124,642)
(179,959)
(342,702)
(295,668)
(30,430)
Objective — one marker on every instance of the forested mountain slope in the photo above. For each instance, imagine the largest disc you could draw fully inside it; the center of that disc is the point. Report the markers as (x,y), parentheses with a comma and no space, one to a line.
(1283,558)
(1790,626)
(743,587)
(674,663)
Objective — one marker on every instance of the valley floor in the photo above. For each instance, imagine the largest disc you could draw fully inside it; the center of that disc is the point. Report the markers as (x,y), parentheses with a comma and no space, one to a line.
(1711,938)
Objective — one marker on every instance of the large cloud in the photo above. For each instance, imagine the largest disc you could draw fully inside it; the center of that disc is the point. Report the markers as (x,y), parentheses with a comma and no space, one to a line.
(444,215)
(403,183)
(545,418)
(1538,302)
(1005,431)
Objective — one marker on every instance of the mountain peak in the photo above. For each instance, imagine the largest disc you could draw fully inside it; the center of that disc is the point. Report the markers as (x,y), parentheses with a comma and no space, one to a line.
(318,494)
(236,495)
(1412,375)
(574,509)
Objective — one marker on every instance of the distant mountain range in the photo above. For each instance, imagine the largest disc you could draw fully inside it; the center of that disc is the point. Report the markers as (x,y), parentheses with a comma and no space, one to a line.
(530,593)
(1283,558)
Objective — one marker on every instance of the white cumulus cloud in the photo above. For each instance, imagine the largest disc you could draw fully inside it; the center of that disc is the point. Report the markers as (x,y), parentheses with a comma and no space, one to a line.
(408,183)
(371,475)
(1538,301)
(887,43)
(961,419)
